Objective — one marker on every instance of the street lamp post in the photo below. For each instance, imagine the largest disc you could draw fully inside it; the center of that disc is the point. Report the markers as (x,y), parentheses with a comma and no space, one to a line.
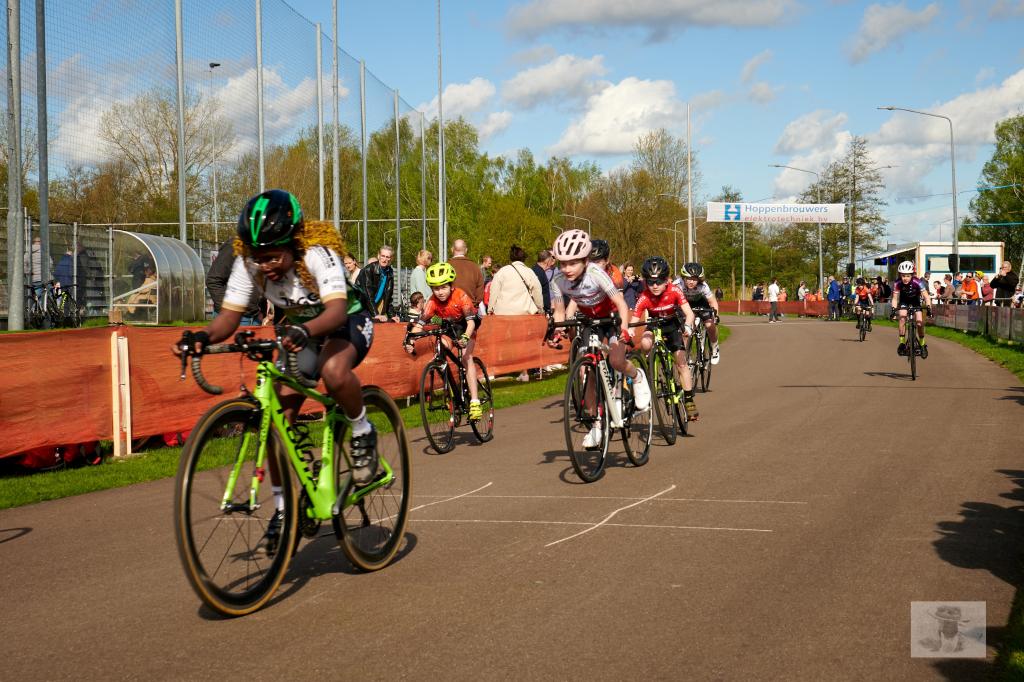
(213,135)
(576,217)
(955,265)
(821,262)
(675,244)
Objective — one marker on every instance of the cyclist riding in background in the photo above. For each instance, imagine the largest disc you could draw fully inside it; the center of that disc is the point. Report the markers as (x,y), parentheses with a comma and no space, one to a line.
(910,291)
(660,298)
(600,255)
(700,297)
(454,305)
(865,301)
(298,268)
(592,292)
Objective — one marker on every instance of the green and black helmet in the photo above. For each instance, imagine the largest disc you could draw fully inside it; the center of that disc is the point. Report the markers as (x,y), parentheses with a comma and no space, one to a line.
(269,219)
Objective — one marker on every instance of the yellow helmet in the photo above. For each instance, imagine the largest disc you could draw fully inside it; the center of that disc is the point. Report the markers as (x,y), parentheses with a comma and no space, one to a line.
(440,274)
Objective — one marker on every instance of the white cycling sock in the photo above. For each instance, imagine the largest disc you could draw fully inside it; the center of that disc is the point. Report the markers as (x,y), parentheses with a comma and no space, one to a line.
(278,497)
(360,424)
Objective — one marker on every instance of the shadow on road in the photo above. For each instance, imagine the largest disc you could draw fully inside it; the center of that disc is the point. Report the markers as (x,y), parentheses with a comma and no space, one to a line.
(890,375)
(1017,393)
(960,669)
(8,534)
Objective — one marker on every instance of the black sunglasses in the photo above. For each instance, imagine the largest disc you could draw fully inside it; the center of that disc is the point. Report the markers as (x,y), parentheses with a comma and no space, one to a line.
(654,282)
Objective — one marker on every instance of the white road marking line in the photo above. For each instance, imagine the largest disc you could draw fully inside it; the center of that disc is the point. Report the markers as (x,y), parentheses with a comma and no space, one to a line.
(588,523)
(610,516)
(455,497)
(595,497)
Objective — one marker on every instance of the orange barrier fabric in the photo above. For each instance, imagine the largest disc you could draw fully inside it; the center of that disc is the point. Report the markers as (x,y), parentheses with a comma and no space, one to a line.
(55,389)
(810,308)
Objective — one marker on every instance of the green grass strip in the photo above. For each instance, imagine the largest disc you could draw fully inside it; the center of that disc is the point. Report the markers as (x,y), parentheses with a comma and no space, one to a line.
(157,463)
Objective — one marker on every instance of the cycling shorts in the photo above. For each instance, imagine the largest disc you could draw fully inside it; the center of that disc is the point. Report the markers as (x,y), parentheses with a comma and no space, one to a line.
(357,330)
(704,314)
(865,305)
(672,335)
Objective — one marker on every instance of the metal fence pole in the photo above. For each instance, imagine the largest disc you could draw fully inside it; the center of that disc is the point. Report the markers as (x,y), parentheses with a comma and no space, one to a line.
(180,58)
(42,138)
(362,128)
(423,180)
(442,222)
(110,269)
(320,117)
(398,199)
(15,236)
(74,262)
(259,91)
(336,170)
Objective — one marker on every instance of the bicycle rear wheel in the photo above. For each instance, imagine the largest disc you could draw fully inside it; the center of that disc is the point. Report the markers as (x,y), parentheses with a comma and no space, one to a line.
(219,530)
(580,419)
(639,427)
(574,352)
(370,531)
(437,407)
(483,428)
(912,353)
(661,396)
(705,361)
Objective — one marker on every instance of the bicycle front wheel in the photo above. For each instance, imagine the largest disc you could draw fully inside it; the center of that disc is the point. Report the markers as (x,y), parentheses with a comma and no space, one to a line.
(639,427)
(223,507)
(483,428)
(863,329)
(912,353)
(437,407)
(661,396)
(370,530)
(582,418)
(705,361)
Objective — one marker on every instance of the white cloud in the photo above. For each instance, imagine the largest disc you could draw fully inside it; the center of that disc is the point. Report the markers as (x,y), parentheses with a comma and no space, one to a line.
(884,25)
(657,16)
(705,101)
(535,55)
(985,73)
(565,77)
(810,131)
(762,93)
(495,122)
(619,114)
(462,99)
(1003,9)
(753,64)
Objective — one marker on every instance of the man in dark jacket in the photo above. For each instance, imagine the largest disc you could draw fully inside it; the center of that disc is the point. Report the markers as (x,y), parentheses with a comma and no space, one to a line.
(467,273)
(217,283)
(545,261)
(1005,284)
(835,298)
(377,283)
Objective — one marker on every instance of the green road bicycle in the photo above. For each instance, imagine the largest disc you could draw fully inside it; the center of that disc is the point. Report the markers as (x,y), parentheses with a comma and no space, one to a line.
(666,393)
(698,354)
(444,394)
(223,501)
(596,394)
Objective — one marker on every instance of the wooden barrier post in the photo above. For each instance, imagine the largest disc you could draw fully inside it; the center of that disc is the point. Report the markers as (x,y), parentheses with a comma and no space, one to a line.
(121,395)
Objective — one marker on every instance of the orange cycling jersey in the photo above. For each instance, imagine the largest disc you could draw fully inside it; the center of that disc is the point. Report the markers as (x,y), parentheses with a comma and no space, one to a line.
(459,306)
(616,275)
(863,292)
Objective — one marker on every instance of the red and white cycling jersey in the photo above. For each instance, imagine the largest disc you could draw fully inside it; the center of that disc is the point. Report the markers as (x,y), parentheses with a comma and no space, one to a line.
(665,305)
(592,291)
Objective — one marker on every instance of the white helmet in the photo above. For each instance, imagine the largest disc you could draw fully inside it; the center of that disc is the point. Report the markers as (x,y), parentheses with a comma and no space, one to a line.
(571,245)
(906,268)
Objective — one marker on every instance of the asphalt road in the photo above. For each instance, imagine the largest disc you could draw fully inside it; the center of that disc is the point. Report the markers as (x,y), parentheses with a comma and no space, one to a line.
(821,493)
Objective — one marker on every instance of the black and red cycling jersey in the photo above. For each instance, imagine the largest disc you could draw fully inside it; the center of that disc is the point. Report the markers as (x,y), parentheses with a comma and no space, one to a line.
(665,305)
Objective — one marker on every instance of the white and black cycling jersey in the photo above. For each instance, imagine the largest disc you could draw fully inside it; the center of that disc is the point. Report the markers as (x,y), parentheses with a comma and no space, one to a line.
(699,296)
(289,294)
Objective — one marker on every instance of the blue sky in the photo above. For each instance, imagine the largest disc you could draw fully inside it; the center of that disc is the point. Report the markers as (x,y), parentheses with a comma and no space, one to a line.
(769,81)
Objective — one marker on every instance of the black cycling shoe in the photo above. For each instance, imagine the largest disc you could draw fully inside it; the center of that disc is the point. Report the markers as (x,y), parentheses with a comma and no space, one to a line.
(272,538)
(364,457)
(901,349)
(924,352)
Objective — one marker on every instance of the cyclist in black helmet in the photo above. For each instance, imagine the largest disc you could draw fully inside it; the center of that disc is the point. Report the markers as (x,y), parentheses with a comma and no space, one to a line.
(600,255)
(703,302)
(298,268)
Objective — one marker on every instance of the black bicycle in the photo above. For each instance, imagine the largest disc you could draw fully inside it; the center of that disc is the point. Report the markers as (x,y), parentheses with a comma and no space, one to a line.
(444,394)
(50,306)
(864,322)
(913,345)
(666,393)
(698,353)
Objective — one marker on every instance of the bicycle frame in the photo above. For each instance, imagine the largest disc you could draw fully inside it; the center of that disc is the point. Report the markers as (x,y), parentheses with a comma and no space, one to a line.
(596,351)
(325,500)
(661,350)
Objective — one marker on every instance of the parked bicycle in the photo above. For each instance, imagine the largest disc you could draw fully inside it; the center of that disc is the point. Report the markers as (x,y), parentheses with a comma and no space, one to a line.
(223,502)
(597,394)
(50,306)
(666,393)
(444,393)
(698,355)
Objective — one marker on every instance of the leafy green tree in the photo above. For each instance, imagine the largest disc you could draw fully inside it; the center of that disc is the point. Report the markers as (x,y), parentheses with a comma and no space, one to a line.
(1004,171)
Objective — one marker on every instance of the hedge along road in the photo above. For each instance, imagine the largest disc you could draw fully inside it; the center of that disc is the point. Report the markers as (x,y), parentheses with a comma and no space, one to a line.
(819,495)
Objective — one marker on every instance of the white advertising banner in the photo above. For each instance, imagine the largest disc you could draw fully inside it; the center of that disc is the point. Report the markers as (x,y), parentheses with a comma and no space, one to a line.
(721,212)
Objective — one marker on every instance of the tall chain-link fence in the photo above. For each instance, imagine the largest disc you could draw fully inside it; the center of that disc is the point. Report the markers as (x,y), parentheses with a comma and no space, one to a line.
(113,132)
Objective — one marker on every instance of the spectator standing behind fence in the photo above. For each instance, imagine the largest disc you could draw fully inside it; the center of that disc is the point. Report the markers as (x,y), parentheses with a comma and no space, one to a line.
(352,268)
(34,262)
(773,300)
(418,277)
(1005,284)
(970,291)
(415,307)
(801,291)
(515,289)
(835,297)
(486,263)
(377,282)
(987,292)
(632,286)
(74,282)
(545,262)
(468,275)
(719,294)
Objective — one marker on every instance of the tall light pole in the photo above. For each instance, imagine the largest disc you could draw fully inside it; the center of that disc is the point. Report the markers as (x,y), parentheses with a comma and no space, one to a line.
(821,262)
(955,265)
(577,217)
(442,218)
(213,135)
